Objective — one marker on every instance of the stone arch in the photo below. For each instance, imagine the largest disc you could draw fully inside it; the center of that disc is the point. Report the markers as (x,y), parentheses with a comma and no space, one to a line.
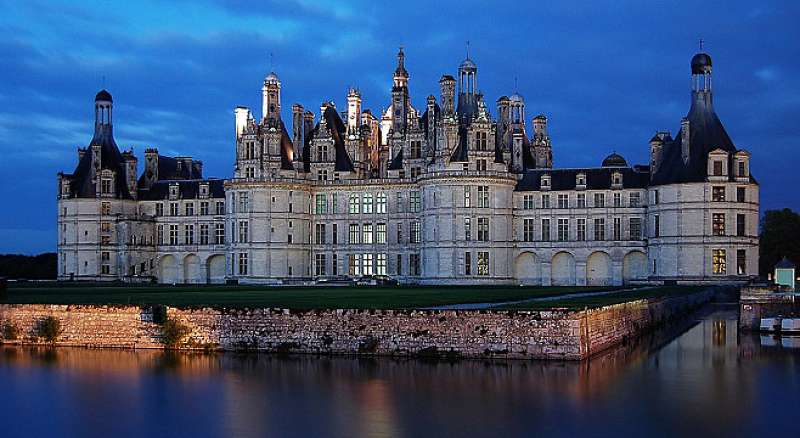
(634,266)
(527,268)
(191,269)
(598,269)
(168,269)
(562,269)
(215,269)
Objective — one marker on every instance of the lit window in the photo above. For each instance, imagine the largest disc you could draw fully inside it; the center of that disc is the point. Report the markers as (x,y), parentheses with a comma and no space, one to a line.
(483,263)
(718,224)
(718,262)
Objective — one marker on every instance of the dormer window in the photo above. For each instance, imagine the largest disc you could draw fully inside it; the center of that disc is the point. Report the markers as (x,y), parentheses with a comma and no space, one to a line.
(580,181)
(545,182)
(742,165)
(717,168)
(616,180)
(173,191)
(204,190)
(717,164)
(106,183)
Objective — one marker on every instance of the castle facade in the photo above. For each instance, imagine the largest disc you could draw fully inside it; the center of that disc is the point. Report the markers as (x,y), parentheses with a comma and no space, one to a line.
(439,193)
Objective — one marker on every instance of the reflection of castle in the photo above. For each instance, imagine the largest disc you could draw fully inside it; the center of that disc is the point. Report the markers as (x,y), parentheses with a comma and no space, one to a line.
(442,194)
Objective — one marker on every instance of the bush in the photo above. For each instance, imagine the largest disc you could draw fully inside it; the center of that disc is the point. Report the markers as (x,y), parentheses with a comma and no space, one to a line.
(49,328)
(10,331)
(173,332)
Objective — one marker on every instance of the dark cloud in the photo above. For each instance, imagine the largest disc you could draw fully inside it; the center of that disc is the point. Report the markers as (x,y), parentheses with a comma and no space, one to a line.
(607,75)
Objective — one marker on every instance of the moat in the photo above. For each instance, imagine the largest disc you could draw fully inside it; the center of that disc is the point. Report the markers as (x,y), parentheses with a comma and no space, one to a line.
(696,377)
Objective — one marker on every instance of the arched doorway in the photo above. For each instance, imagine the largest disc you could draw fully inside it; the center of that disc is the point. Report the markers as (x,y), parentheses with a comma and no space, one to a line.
(215,267)
(527,269)
(634,266)
(598,269)
(168,269)
(191,269)
(562,269)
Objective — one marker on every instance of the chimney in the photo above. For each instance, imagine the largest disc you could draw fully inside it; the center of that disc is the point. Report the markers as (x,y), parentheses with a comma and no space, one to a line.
(517,145)
(197,167)
(242,115)
(131,164)
(685,146)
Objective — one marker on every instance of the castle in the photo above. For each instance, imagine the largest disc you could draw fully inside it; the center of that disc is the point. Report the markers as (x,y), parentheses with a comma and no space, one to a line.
(440,193)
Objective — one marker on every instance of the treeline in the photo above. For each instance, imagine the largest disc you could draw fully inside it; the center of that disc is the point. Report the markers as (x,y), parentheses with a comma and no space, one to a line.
(38,267)
(780,237)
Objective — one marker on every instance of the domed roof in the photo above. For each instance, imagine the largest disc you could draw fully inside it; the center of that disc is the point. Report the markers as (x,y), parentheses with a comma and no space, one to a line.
(540,117)
(701,63)
(615,160)
(271,77)
(468,65)
(516,97)
(103,95)
(503,98)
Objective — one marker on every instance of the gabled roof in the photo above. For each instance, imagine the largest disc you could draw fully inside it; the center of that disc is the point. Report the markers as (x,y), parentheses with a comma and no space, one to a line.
(337,128)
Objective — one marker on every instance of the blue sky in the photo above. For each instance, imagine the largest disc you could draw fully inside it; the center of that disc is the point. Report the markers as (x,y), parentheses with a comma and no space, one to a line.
(607,75)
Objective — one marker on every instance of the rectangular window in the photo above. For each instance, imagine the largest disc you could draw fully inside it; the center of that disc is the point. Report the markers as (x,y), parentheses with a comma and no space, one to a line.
(334,203)
(527,202)
(617,199)
(334,264)
(483,196)
(105,208)
(413,201)
(354,265)
(467,263)
(173,208)
(483,263)
(740,194)
(717,168)
(319,234)
(319,264)
(718,194)
(581,200)
(366,203)
(244,231)
(354,233)
(189,209)
(334,234)
(467,228)
(563,201)
(415,232)
(399,232)
(563,229)
(399,265)
(204,208)
(740,225)
(600,200)
(741,169)
(204,234)
(219,234)
(634,200)
(173,234)
(380,233)
(380,265)
(321,203)
(635,228)
(244,202)
(105,186)
(354,204)
(243,264)
(600,229)
(718,262)
(483,229)
(220,207)
(416,149)
(380,207)
(546,230)
(160,234)
(718,224)
(413,264)
(528,230)
(741,262)
(367,264)
(159,209)
(656,226)
(617,228)
(366,233)
(545,201)
(581,229)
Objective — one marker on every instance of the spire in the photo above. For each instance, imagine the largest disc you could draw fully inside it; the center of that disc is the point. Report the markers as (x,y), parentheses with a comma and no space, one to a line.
(400,71)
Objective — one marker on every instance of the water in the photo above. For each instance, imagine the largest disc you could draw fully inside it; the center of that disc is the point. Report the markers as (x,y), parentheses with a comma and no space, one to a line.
(698,377)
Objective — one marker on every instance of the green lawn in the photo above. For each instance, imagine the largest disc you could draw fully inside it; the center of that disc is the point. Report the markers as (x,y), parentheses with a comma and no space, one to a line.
(362,297)
(578,303)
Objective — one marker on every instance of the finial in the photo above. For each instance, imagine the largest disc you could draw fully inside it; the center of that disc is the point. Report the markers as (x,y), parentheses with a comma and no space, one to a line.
(104,81)
(467,49)
(515,84)
(701,44)
(271,62)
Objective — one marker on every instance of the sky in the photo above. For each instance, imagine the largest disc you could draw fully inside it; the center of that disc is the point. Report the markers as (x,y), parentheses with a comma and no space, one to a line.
(606,74)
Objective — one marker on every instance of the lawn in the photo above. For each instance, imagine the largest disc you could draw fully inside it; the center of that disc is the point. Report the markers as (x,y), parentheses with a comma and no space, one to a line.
(579,303)
(356,297)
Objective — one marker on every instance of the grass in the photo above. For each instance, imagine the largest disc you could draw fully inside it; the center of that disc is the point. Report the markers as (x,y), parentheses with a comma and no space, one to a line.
(301,298)
(580,303)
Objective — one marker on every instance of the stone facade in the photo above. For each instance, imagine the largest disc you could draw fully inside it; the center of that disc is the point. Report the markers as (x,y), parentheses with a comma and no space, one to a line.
(444,193)
(555,334)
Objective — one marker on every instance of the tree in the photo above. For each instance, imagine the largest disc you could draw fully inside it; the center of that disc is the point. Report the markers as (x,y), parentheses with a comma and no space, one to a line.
(780,237)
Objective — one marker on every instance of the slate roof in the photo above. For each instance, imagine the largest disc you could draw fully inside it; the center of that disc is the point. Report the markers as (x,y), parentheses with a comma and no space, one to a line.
(81,184)
(785,263)
(597,178)
(338,131)
(188,189)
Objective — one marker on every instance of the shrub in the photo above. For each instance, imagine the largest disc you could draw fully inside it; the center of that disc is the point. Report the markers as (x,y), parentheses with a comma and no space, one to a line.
(173,332)
(48,328)
(368,345)
(10,331)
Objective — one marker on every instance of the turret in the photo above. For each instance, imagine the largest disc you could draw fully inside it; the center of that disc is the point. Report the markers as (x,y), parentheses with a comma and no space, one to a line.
(540,126)
(656,150)
(400,95)
(298,130)
(131,164)
(271,98)
(353,111)
(447,86)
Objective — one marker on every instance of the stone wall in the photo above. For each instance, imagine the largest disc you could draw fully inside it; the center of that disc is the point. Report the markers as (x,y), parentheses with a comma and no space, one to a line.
(764,302)
(557,334)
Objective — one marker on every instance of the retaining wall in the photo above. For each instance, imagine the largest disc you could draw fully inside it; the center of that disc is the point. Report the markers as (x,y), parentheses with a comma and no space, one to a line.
(556,334)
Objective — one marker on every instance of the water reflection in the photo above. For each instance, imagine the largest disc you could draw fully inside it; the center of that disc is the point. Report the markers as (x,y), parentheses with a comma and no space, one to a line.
(699,376)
